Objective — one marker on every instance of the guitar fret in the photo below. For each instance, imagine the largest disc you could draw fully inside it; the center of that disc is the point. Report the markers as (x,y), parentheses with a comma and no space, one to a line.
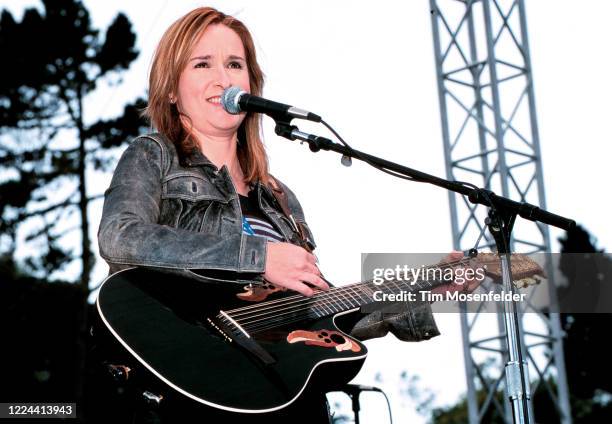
(333,305)
(363,297)
(351,292)
(396,286)
(326,309)
(344,298)
(352,300)
(339,301)
(367,290)
(355,295)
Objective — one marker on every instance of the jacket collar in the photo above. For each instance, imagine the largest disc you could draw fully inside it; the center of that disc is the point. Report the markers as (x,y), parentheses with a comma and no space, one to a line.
(196,158)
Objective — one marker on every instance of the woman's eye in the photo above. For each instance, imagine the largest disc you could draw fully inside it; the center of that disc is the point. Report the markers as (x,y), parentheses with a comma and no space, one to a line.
(202,65)
(235,65)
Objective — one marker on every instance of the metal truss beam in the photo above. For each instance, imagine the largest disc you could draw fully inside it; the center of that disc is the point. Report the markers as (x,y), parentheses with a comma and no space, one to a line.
(490,137)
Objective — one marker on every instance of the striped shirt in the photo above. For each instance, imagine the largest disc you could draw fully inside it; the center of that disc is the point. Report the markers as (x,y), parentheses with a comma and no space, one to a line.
(254,222)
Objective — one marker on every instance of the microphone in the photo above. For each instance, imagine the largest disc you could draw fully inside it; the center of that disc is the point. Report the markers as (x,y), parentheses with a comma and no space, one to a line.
(235,100)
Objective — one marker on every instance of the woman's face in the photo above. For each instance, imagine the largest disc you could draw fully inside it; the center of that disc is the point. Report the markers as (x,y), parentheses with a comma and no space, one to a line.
(217,62)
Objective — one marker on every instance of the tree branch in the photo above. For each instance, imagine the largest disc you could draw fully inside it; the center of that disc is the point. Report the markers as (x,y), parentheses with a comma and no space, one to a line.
(66,203)
(64,97)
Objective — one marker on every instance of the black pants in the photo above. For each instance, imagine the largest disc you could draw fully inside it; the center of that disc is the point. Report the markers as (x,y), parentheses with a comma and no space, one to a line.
(311,408)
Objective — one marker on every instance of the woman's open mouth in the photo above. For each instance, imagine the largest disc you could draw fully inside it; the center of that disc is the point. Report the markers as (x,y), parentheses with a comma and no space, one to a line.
(214,100)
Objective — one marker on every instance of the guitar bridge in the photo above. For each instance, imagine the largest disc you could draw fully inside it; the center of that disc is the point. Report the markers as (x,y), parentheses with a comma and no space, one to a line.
(219,330)
(227,325)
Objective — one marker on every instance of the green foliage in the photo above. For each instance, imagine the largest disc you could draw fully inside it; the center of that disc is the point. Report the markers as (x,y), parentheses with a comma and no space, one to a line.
(586,347)
(410,388)
(53,60)
(458,413)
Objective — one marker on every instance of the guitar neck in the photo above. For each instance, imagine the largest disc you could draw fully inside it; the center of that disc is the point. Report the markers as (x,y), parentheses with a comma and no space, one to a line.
(352,296)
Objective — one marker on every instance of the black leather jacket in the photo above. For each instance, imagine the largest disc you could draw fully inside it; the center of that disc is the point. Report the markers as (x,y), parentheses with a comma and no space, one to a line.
(166,212)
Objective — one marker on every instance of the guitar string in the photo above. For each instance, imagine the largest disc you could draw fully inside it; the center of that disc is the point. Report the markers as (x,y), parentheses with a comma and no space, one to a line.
(324,298)
(268,324)
(305,304)
(322,301)
(335,308)
(298,297)
(298,316)
(321,305)
(272,326)
(287,300)
(278,321)
(236,314)
(298,309)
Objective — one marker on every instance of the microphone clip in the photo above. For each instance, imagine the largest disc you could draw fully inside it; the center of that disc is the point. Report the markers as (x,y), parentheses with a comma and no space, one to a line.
(285,129)
(292,132)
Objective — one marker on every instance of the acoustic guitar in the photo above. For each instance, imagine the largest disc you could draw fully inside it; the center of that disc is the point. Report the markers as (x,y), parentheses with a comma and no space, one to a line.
(248,347)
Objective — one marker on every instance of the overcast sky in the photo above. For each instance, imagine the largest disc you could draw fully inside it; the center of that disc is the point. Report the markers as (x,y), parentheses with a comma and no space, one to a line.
(368,69)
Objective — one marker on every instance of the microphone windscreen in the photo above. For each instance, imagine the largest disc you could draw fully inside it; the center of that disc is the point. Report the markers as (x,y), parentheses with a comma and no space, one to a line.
(229,100)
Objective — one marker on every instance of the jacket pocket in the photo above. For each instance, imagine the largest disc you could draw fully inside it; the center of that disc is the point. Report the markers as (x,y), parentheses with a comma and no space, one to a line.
(191,187)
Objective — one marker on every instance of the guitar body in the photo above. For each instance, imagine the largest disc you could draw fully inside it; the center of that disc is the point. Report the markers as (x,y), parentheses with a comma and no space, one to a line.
(174,326)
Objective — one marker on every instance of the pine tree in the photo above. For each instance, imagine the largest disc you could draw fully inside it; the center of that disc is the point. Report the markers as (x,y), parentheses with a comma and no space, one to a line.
(52,61)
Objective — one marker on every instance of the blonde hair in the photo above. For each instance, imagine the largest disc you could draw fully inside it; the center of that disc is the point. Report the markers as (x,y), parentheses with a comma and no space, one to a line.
(171,57)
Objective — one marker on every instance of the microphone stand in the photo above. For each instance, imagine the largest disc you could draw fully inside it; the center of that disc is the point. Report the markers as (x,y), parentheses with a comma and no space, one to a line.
(354,390)
(501,217)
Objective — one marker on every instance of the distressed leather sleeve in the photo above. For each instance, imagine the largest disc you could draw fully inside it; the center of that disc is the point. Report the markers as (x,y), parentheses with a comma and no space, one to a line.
(408,321)
(129,233)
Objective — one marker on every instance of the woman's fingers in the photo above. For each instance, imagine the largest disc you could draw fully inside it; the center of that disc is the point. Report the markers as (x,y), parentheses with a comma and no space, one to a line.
(293,267)
(452,257)
(314,280)
(311,258)
(301,288)
(306,283)
(313,269)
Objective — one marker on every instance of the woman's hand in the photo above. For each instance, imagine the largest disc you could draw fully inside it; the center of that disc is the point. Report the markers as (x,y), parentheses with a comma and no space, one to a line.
(294,268)
(467,284)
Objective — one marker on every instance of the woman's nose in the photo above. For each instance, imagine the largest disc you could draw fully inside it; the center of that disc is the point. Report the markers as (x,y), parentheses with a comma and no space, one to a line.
(223,77)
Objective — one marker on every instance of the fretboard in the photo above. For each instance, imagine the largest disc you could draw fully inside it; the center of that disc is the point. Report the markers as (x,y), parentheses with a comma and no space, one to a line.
(346,298)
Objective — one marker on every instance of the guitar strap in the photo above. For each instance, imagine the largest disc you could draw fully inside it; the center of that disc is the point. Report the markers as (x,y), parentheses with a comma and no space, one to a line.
(281,198)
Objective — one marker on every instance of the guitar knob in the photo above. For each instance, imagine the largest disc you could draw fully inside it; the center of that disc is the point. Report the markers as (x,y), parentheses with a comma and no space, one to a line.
(152,398)
(120,373)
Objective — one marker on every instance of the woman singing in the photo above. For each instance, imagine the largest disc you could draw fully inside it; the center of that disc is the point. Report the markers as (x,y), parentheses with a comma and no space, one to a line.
(197,194)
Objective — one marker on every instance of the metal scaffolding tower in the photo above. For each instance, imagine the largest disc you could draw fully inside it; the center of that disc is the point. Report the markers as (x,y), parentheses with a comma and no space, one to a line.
(491,139)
